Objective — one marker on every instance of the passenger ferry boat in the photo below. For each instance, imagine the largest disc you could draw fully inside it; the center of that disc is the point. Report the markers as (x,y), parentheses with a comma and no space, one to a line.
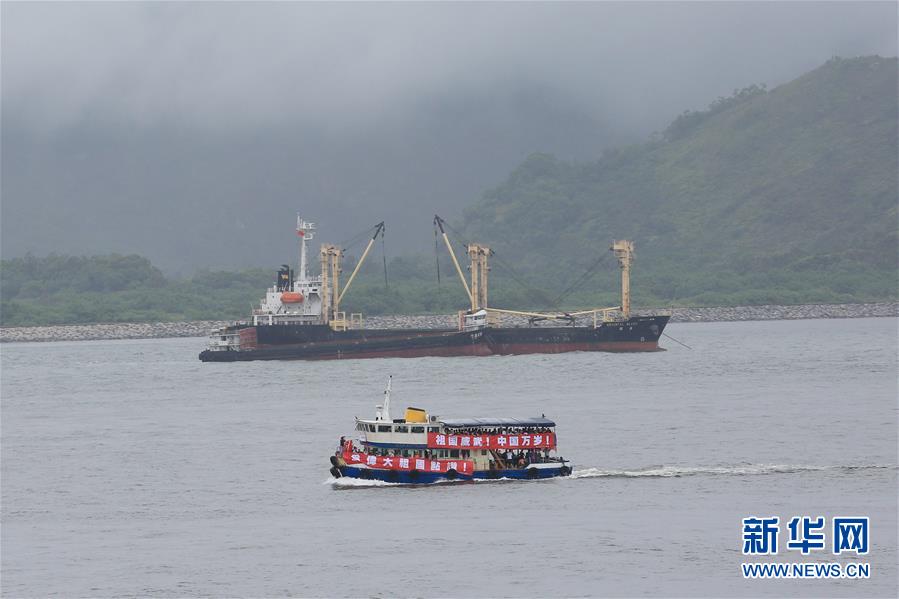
(422,448)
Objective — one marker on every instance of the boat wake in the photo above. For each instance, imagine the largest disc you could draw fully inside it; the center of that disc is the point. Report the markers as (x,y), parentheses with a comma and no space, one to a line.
(735,470)
(346,482)
(649,472)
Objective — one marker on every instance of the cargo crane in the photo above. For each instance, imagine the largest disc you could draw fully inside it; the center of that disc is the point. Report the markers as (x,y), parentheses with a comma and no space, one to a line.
(477,292)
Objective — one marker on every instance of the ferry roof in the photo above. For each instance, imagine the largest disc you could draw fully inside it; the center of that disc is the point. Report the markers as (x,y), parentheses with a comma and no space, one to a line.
(479,422)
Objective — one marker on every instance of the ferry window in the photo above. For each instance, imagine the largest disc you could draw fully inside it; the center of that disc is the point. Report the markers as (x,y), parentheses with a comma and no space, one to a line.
(454,453)
(383,428)
(483,452)
(371,428)
(418,429)
(402,429)
(433,429)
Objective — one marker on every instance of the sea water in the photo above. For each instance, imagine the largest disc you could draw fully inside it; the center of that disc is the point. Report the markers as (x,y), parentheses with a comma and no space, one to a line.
(131,468)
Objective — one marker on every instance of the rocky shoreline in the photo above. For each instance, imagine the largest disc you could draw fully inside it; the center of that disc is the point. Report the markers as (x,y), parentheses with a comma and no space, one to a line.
(201,328)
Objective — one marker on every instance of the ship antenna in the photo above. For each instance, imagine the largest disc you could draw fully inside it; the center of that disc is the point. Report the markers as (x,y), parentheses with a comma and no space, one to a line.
(385,413)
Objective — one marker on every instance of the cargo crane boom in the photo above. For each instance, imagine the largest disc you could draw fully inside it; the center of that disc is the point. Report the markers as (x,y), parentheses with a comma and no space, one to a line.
(439,222)
(379,230)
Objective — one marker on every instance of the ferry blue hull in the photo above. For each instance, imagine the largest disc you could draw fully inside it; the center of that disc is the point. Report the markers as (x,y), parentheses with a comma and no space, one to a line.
(424,478)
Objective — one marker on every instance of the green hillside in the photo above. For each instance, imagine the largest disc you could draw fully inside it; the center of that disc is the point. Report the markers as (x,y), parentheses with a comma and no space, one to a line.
(68,289)
(781,196)
(787,195)
(71,290)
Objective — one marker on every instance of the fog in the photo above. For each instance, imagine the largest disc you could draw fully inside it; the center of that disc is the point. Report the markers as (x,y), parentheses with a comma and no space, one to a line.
(193,132)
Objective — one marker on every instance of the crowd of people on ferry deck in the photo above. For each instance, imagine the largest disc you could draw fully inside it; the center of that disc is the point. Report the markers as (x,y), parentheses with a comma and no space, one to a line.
(507,457)
(499,430)
(520,458)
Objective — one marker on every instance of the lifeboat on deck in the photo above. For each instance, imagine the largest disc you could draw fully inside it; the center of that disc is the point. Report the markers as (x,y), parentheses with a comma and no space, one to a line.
(292,297)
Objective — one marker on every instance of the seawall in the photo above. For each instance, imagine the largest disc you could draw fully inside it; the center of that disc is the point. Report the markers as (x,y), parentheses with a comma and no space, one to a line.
(86,332)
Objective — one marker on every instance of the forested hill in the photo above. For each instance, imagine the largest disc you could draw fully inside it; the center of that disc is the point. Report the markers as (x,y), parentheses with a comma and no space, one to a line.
(783,195)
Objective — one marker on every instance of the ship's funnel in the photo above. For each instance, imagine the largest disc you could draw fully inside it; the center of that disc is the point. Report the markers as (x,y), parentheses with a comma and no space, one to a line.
(416,415)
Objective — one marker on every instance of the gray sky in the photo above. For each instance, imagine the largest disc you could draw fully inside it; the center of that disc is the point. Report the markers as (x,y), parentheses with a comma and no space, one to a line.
(353,94)
(245,64)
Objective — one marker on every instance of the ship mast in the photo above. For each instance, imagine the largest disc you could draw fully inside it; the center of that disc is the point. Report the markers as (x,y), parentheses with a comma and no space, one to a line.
(330,259)
(624,251)
(306,232)
(479,269)
(385,412)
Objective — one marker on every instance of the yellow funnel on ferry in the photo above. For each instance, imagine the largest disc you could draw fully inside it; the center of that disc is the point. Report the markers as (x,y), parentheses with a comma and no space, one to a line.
(416,415)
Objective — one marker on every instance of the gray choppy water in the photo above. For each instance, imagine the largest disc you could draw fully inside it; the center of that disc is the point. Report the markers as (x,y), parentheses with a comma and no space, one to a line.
(130,468)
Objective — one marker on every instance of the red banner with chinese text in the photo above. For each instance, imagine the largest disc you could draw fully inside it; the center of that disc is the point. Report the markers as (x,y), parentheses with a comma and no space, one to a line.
(403,463)
(496,442)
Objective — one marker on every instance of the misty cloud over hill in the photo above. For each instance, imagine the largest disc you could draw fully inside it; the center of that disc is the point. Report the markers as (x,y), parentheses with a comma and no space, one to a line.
(192,133)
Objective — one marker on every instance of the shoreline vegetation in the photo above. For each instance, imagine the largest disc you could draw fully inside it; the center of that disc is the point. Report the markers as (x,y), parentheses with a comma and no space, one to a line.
(201,328)
(57,292)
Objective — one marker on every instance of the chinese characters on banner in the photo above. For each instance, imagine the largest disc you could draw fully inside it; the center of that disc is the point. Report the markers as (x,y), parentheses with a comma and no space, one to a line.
(514,442)
(806,535)
(402,463)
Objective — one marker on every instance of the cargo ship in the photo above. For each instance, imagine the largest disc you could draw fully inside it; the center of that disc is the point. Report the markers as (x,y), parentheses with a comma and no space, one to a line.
(300,318)
(422,448)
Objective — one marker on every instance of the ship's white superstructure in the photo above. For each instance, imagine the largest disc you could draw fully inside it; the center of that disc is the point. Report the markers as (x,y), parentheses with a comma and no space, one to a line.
(296,298)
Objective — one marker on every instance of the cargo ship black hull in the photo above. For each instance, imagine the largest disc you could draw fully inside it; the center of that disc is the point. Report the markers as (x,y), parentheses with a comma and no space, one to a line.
(320,342)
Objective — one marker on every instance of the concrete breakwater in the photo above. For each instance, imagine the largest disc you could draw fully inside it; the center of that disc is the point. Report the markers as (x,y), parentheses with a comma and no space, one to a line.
(123,330)
(201,328)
